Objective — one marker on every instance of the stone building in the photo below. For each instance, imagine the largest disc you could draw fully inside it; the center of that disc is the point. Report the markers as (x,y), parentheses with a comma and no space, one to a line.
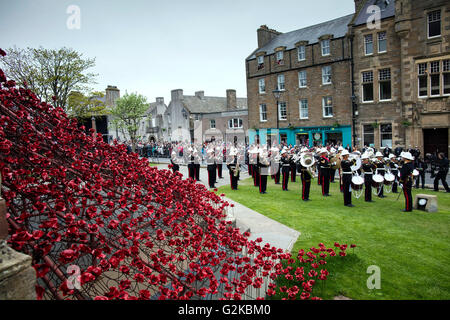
(310,68)
(402,74)
(390,78)
(156,126)
(202,118)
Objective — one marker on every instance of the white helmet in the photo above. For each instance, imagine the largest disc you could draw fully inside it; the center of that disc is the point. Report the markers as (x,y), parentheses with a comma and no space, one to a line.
(364,156)
(345,153)
(323,150)
(378,154)
(407,155)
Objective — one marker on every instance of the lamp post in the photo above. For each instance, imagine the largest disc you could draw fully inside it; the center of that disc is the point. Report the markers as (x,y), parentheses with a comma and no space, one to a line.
(277,95)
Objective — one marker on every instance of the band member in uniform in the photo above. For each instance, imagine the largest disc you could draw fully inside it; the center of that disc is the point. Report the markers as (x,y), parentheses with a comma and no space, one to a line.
(305,176)
(276,165)
(211,167)
(324,169)
(219,160)
(255,158)
(332,171)
(191,162)
(406,178)
(442,168)
(293,166)
(347,177)
(381,171)
(285,169)
(393,164)
(421,166)
(263,166)
(368,169)
(233,168)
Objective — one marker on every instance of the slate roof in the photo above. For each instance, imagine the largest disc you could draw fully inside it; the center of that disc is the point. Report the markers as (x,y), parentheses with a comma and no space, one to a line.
(337,27)
(387,10)
(211,104)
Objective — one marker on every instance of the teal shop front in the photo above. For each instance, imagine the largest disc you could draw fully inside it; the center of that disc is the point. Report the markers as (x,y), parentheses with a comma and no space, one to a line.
(311,136)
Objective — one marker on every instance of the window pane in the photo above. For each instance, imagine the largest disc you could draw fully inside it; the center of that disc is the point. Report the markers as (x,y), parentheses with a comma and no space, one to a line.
(368,40)
(262,112)
(262,86)
(434,24)
(303,109)
(325,47)
(382,42)
(327,103)
(423,90)
(435,84)
(385,90)
(301,53)
(326,75)
(281,82)
(446,77)
(302,79)
(386,135)
(369,136)
(282,111)
(367,92)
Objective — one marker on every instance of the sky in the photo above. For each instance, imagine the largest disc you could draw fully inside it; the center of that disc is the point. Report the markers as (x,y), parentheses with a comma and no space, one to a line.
(152,47)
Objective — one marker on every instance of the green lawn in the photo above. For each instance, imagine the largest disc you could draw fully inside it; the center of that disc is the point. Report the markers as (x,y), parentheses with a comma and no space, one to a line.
(411,249)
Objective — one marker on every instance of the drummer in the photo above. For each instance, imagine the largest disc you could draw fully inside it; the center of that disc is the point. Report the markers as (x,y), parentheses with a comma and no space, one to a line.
(381,171)
(394,170)
(347,178)
(367,168)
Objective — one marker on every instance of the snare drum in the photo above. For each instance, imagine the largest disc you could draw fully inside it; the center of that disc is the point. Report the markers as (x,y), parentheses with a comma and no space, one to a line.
(389,178)
(377,180)
(357,182)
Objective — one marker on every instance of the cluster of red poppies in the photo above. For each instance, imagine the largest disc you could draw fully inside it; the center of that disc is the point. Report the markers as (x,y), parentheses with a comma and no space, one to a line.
(101,223)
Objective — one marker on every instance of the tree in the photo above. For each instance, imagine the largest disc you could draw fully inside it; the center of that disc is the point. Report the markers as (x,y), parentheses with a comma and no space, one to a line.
(82,106)
(128,114)
(50,74)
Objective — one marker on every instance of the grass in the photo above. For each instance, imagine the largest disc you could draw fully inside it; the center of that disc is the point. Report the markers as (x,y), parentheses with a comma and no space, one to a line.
(411,249)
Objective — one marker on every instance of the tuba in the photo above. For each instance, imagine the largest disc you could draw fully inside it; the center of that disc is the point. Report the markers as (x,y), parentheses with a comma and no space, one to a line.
(307,160)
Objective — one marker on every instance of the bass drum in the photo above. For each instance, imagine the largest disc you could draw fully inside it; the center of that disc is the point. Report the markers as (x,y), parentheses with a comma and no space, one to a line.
(357,186)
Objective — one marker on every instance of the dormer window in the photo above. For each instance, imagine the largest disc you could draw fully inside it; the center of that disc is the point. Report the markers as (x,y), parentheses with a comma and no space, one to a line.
(325,45)
(280,57)
(260,60)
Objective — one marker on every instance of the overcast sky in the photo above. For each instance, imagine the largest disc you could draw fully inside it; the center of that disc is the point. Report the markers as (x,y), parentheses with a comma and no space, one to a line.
(152,47)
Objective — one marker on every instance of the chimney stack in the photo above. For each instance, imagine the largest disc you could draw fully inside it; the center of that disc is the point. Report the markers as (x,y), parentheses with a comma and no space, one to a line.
(111,95)
(265,35)
(177,94)
(231,99)
(200,94)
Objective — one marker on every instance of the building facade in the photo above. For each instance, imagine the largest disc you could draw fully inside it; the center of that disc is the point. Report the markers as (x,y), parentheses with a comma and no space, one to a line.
(309,69)
(156,126)
(203,118)
(402,74)
(379,77)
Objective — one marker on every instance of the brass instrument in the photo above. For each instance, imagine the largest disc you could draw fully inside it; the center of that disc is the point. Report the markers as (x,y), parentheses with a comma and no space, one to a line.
(307,160)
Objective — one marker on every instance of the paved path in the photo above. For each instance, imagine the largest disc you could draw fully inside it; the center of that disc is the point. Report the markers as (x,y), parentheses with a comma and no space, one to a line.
(271,231)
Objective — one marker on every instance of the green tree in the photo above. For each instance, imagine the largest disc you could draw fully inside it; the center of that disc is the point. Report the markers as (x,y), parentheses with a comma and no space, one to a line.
(49,73)
(82,106)
(128,114)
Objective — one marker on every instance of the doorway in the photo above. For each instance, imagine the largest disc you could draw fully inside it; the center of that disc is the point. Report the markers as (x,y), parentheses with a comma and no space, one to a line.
(435,140)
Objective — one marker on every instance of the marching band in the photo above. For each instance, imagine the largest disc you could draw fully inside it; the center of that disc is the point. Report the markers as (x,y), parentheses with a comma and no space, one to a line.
(372,172)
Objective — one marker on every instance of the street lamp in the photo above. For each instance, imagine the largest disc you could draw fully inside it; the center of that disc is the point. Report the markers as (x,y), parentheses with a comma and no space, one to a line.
(277,95)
